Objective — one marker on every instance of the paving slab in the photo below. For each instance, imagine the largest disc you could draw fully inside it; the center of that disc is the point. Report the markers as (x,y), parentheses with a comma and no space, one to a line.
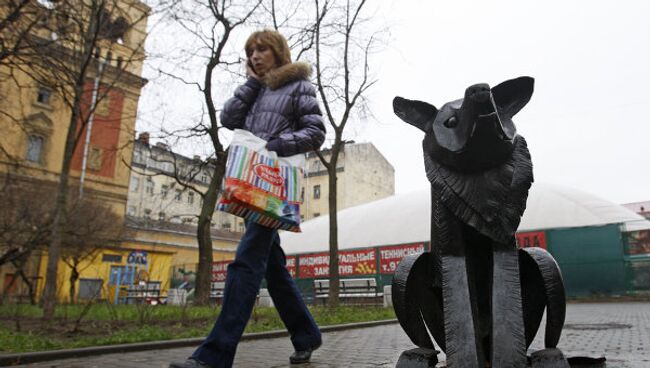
(620,331)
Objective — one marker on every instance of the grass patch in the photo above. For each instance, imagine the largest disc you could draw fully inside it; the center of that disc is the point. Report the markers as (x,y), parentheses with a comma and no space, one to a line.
(22,329)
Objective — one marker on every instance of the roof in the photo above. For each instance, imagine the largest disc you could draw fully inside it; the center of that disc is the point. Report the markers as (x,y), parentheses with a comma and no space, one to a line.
(405,218)
(638,207)
(183,229)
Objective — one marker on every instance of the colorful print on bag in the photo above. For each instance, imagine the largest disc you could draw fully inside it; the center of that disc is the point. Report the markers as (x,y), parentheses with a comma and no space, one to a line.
(261,188)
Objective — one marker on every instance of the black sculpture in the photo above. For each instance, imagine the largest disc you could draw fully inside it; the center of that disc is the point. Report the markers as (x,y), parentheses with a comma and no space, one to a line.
(480,298)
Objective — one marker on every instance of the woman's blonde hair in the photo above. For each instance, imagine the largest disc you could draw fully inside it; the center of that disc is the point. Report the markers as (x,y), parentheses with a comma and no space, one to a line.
(274,40)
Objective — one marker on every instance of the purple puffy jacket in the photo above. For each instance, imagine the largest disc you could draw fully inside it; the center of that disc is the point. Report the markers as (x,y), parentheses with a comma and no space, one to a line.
(284,106)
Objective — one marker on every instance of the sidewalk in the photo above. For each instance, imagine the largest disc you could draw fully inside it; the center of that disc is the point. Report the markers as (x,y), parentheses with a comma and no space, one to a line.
(620,331)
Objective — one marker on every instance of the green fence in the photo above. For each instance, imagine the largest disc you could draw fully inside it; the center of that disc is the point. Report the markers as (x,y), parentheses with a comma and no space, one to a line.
(591,259)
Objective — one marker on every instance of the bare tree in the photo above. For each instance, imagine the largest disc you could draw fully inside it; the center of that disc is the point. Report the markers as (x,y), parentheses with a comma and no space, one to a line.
(211,24)
(342,48)
(18,18)
(25,226)
(338,38)
(90,227)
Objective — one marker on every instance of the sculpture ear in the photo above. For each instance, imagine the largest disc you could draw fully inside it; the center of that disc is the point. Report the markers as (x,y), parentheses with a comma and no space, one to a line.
(416,113)
(512,95)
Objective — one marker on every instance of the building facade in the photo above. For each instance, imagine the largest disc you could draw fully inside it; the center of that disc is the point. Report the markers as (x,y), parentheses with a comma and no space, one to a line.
(363,175)
(37,93)
(642,208)
(163,187)
(36,116)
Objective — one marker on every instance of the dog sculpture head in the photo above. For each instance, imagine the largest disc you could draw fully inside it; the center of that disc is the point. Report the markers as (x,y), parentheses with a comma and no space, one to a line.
(473,133)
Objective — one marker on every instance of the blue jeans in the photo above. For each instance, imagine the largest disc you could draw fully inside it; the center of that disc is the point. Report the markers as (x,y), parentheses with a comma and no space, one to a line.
(258,255)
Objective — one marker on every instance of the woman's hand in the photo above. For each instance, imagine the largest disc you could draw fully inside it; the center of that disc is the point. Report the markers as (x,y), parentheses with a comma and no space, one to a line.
(249,70)
(275,145)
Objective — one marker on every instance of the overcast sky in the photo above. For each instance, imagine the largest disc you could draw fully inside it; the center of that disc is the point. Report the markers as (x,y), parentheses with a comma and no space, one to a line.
(587,123)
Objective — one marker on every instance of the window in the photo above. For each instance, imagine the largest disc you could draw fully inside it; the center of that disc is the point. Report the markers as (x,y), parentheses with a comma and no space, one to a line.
(161,216)
(316,165)
(89,289)
(226,225)
(103,106)
(149,186)
(34,148)
(130,211)
(204,178)
(316,191)
(135,184)
(137,156)
(95,158)
(163,191)
(178,195)
(147,212)
(302,194)
(316,214)
(44,95)
(190,198)
(112,258)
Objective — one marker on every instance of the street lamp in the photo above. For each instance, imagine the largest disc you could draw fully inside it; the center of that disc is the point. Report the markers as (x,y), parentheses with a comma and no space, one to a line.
(89,125)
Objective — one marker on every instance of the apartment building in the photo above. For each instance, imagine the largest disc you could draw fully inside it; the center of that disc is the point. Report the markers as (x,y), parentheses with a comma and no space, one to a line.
(364,175)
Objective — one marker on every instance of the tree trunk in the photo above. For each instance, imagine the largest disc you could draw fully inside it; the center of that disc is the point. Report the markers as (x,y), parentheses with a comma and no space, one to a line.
(333,300)
(204,269)
(74,276)
(58,218)
(30,286)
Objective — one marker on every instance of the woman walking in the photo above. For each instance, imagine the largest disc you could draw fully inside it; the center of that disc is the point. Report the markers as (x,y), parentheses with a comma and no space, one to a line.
(278,104)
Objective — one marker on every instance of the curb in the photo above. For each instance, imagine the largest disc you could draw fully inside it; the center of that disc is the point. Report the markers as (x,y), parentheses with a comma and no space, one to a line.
(41,356)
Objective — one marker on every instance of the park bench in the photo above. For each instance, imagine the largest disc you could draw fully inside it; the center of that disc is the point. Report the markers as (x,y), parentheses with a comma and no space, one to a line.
(216,290)
(143,292)
(359,290)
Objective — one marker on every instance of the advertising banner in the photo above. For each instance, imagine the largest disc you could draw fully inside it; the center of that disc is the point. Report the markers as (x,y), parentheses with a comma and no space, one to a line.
(531,239)
(291,265)
(219,270)
(357,262)
(314,265)
(351,263)
(389,257)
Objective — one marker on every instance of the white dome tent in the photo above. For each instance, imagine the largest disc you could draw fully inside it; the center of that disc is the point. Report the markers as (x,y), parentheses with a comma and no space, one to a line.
(405,218)
(584,232)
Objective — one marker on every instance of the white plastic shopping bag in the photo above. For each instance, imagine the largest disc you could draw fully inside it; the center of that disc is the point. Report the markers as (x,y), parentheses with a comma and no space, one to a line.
(260,186)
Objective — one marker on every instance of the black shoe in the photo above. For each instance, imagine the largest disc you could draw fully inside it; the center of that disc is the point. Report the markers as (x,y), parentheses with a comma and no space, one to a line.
(189,363)
(302,356)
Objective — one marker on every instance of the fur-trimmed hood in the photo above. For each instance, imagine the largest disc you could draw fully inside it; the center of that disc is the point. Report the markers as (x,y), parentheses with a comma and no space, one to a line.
(286,74)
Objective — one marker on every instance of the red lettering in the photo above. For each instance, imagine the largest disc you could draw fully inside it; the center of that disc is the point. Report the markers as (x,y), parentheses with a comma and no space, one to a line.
(269,174)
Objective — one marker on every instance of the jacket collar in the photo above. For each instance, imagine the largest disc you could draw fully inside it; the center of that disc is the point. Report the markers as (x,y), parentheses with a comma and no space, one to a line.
(286,74)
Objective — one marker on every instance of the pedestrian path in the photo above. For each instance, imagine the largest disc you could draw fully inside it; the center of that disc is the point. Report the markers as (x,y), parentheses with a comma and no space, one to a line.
(620,331)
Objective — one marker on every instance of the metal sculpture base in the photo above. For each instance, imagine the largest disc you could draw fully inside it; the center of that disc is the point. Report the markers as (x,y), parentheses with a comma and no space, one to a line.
(549,358)
(546,358)
(418,358)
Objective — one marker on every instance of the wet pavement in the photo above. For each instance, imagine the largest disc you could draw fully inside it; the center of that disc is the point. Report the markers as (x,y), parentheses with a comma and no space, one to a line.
(619,331)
